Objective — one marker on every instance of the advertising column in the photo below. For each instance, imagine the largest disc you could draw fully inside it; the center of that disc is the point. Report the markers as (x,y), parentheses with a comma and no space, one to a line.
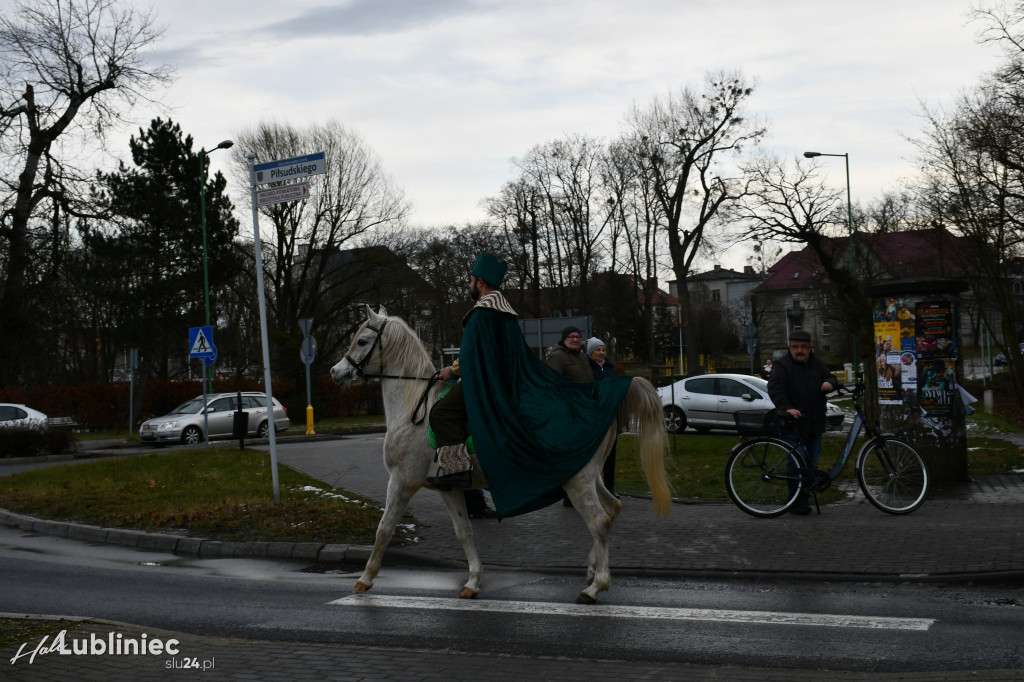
(918,366)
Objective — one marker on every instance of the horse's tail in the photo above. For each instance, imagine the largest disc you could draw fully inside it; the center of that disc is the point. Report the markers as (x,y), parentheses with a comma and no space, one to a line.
(643,407)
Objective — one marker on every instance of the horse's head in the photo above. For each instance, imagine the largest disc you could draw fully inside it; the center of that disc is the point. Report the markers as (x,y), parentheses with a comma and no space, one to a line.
(364,352)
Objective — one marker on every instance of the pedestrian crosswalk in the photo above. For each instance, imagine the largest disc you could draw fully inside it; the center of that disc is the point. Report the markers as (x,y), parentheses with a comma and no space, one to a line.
(645,612)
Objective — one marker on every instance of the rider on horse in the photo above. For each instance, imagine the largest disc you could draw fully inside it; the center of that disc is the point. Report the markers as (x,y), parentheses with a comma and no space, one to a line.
(532,428)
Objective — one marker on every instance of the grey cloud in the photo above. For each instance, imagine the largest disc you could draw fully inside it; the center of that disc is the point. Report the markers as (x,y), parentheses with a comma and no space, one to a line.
(369,17)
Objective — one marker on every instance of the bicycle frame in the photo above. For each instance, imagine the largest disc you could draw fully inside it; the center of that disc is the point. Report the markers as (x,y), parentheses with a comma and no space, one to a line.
(860,424)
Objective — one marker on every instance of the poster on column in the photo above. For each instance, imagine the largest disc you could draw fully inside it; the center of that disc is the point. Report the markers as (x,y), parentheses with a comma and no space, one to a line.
(887,352)
(936,356)
(887,358)
(895,351)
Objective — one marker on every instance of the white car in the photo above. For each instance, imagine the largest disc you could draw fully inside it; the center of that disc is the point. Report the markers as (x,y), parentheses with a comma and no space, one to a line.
(709,401)
(18,415)
(185,423)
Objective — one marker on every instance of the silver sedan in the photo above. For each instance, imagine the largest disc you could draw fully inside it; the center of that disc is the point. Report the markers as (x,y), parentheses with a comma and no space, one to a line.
(186,423)
(710,401)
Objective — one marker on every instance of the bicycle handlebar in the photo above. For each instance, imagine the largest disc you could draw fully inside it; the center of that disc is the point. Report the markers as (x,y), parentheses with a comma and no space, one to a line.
(857,386)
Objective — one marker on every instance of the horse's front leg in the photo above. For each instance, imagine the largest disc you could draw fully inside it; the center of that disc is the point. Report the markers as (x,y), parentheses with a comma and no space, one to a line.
(455,502)
(398,497)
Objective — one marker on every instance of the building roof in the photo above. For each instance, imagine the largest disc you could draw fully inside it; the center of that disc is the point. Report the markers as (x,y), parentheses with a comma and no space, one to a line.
(895,255)
(918,253)
(721,274)
(795,270)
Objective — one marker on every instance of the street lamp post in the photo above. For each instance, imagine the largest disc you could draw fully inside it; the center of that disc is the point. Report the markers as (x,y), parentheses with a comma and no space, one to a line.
(849,225)
(226,144)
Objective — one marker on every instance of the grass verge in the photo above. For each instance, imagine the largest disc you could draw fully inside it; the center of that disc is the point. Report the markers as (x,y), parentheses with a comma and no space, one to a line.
(221,494)
(226,493)
(17,631)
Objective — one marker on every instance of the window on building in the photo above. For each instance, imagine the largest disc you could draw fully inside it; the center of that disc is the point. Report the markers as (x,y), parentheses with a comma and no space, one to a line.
(716,295)
(826,327)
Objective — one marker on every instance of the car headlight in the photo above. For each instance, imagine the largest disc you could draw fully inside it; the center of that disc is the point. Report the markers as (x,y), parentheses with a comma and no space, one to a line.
(169,425)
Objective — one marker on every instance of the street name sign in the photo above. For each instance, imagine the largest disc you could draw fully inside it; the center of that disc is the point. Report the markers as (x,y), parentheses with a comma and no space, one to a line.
(289,169)
(277,195)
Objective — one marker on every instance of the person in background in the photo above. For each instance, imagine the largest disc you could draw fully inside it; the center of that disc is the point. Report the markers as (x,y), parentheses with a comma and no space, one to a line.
(602,368)
(798,385)
(766,371)
(569,360)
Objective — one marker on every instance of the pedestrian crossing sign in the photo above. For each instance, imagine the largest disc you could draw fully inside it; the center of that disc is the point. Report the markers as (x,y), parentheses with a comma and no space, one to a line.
(200,343)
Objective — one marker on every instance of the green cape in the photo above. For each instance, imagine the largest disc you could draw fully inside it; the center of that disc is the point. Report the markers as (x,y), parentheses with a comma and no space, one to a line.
(532,428)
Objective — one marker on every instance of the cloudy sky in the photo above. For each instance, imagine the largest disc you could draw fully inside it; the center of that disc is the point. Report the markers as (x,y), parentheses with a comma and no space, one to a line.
(448,91)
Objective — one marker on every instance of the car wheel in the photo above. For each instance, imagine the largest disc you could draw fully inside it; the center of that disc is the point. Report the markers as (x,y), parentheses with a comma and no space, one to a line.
(191,435)
(675,419)
(263,430)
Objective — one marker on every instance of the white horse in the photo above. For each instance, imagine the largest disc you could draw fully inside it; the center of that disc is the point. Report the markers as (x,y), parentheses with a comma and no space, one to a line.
(386,348)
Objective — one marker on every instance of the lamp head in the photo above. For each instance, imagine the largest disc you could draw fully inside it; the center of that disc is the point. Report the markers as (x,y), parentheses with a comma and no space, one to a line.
(811,155)
(226,144)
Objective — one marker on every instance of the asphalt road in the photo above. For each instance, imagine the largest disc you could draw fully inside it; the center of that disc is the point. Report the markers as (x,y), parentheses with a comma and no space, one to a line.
(809,626)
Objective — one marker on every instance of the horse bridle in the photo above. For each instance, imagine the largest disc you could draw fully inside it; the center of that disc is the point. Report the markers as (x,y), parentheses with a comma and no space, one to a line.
(378,343)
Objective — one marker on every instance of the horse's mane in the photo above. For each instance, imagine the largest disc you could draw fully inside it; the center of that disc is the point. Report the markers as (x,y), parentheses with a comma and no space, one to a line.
(403,352)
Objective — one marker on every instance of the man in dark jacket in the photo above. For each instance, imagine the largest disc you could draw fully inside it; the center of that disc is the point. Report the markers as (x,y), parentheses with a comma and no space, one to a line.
(798,385)
(568,359)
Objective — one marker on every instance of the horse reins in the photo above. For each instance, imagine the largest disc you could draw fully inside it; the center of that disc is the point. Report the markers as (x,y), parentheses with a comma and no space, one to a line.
(379,344)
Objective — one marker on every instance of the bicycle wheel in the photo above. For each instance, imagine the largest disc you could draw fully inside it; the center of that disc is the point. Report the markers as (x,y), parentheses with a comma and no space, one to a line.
(892,475)
(763,476)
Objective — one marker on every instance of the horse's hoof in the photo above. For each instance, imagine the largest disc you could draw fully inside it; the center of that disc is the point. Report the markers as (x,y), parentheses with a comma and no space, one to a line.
(585,598)
(467,593)
(360,587)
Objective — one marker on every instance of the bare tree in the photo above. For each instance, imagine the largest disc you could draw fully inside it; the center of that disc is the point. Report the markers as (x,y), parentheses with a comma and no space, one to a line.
(981,198)
(638,217)
(566,175)
(518,210)
(67,66)
(792,204)
(896,211)
(688,140)
(351,205)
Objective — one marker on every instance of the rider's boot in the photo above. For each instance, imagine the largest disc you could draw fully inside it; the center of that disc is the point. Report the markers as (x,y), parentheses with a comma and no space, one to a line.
(453,468)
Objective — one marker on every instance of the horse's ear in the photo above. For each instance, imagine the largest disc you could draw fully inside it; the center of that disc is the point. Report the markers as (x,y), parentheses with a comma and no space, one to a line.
(370,315)
(382,312)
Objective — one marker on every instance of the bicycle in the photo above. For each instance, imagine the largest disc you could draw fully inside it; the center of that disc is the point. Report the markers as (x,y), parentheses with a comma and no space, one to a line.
(765,474)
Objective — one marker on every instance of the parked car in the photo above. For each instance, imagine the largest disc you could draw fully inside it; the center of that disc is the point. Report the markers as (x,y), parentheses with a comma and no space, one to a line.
(1000,358)
(18,415)
(185,423)
(709,401)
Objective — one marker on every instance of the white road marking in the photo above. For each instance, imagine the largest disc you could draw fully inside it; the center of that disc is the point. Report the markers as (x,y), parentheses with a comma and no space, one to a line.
(647,612)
